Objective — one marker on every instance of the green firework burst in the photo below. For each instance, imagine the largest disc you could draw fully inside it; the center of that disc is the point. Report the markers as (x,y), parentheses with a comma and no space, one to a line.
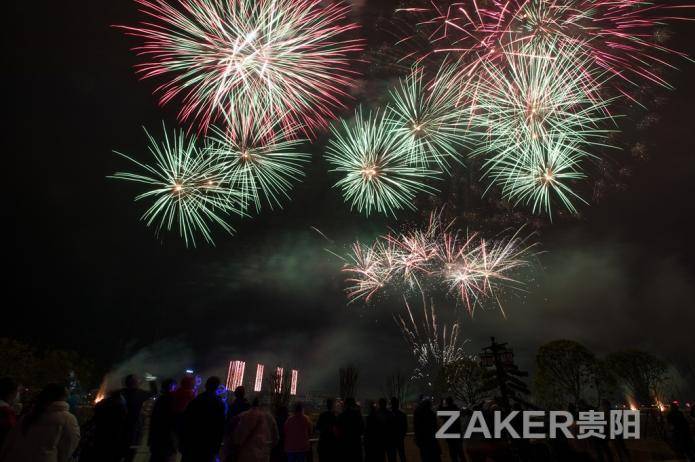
(260,157)
(537,92)
(425,114)
(539,108)
(545,171)
(374,162)
(188,186)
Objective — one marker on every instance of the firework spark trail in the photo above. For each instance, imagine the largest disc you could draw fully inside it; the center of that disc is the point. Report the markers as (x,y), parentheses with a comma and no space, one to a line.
(288,57)
(189,186)
(373,162)
(260,157)
(433,345)
(477,269)
(618,36)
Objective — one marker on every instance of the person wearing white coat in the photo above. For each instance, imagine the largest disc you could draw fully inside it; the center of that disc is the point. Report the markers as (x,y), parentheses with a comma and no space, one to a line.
(48,433)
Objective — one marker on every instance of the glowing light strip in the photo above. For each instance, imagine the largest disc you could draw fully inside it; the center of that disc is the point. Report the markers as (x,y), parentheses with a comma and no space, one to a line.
(279,373)
(295,379)
(235,374)
(259,377)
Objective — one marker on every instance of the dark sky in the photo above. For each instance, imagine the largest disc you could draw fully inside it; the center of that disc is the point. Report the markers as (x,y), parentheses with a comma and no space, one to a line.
(84,273)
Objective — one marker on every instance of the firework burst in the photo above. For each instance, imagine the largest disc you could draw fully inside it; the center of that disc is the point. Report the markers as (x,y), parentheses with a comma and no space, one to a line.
(434,345)
(371,269)
(537,110)
(260,157)
(288,57)
(188,186)
(540,172)
(374,161)
(537,93)
(426,116)
(482,268)
(621,37)
(476,269)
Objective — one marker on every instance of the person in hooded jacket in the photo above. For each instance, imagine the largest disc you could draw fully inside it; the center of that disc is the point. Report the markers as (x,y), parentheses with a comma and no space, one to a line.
(48,433)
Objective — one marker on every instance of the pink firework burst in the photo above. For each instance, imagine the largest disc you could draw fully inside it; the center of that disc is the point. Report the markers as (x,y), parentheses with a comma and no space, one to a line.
(289,58)
(476,269)
(620,36)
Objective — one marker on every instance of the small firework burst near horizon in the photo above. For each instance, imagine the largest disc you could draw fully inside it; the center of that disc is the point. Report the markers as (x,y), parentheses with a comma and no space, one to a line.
(476,269)
(294,58)
(188,185)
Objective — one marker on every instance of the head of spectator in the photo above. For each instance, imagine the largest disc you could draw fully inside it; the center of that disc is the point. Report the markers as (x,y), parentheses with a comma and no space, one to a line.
(131,382)
(212,383)
(51,393)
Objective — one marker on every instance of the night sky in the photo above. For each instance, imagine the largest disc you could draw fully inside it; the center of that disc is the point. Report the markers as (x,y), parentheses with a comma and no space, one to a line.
(84,273)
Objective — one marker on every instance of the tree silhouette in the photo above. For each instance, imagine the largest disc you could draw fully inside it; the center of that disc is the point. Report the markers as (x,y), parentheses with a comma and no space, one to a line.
(464,379)
(34,368)
(348,381)
(641,373)
(396,385)
(565,372)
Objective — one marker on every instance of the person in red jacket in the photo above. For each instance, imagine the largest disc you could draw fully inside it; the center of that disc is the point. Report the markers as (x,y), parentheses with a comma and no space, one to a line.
(8,396)
(297,433)
(184,394)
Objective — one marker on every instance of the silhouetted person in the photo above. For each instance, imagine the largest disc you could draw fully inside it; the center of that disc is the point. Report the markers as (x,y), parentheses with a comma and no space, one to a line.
(203,425)
(326,426)
(184,394)
(134,398)
(237,407)
(162,435)
(255,435)
(350,428)
(371,437)
(399,428)
(281,414)
(455,446)
(9,392)
(297,434)
(425,426)
(682,439)
(619,442)
(48,433)
(379,429)
(240,403)
(105,435)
